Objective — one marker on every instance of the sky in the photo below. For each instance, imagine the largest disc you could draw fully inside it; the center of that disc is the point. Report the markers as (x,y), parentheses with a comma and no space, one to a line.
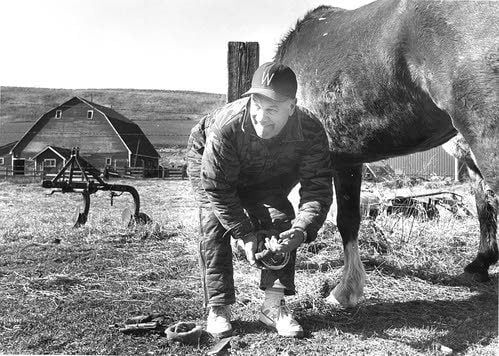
(143,44)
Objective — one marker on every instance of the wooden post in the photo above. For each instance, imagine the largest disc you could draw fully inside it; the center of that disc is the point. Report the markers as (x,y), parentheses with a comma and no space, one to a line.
(242,60)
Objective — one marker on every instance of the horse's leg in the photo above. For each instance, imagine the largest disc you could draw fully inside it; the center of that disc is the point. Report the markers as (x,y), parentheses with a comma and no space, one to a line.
(471,102)
(347,183)
(487,207)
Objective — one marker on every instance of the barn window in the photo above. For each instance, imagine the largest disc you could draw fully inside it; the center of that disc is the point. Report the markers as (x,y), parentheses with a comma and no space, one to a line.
(2,161)
(109,161)
(58,114)
(90,114)
(49,162)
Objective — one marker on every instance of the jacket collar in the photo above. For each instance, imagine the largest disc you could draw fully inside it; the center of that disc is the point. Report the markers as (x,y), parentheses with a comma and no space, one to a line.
(291,132)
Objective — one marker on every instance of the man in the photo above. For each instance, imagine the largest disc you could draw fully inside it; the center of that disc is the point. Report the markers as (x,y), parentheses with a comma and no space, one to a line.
(243,160)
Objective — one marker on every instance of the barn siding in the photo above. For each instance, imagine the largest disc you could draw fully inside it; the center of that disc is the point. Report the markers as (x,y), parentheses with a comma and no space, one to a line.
(98,138)
(93,136)
(142,161)
(49,154)
(98,160)
(7,162)
(7,157)
(29,165)
(424,164)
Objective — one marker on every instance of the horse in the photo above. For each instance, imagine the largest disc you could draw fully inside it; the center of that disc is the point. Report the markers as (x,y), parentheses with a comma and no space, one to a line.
(396,77)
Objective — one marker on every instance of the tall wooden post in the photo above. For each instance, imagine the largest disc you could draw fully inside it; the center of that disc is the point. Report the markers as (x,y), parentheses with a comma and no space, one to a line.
(242,60)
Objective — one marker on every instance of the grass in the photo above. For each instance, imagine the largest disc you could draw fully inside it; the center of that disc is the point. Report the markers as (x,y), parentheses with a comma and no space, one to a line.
(61,288)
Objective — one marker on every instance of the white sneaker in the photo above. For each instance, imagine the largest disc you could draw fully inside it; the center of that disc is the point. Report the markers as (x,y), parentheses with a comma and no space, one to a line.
(218,324)
(279,317)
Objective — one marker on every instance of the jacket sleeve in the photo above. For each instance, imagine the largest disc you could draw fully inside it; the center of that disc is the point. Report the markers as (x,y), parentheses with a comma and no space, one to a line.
(316,189)
(219,174)
(195,149)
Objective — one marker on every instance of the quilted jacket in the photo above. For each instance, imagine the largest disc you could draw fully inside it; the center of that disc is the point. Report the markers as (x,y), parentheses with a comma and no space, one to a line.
(228,160)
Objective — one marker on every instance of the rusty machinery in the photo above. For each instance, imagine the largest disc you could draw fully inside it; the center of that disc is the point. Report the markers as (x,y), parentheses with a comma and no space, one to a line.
(425,205)
(65,181)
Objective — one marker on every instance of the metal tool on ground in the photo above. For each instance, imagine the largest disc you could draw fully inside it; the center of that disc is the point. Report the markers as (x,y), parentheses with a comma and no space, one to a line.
(221,347)
(89,182)
(142,323)
(185,333)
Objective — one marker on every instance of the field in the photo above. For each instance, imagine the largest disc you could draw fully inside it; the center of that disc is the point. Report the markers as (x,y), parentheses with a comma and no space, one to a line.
(165,116)
(61,288)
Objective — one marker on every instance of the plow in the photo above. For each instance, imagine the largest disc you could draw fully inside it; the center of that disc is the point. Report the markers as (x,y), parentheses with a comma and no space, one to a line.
(423,205)
(79,176)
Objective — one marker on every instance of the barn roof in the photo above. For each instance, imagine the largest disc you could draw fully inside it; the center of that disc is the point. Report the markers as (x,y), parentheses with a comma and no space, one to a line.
(135,139)
(62,152)
(130,133)
(5,149)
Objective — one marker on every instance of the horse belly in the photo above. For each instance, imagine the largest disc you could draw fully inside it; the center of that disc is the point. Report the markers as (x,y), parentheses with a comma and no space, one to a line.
(378,123)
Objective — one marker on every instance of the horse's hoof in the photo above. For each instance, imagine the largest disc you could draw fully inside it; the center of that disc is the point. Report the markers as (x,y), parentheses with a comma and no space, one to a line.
(336,299)
(331,300)
(481,277)
(327,288)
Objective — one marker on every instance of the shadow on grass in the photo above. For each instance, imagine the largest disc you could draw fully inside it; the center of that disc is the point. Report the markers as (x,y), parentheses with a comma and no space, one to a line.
(389,269)
(438,278)
(457,324)
(244,327)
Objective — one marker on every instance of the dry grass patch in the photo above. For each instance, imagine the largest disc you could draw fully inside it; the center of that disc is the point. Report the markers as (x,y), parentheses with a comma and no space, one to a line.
(60,288)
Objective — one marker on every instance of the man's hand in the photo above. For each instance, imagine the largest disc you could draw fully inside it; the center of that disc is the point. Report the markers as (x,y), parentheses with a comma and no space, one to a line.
(289,240)
(250,245)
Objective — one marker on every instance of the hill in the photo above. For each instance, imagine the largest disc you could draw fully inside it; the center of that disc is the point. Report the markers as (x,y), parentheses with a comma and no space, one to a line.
(166,116)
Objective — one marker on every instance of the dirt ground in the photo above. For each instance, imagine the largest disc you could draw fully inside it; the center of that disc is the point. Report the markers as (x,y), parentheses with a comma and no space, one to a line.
(61,288)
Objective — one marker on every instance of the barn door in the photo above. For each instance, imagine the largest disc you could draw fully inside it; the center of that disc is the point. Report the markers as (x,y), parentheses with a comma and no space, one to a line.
(18,167)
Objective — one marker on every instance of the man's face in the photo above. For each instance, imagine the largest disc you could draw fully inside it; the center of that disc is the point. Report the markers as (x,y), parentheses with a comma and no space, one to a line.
(268,116)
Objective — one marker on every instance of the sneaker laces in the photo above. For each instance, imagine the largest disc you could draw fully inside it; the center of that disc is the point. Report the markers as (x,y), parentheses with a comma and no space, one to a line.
(284,312)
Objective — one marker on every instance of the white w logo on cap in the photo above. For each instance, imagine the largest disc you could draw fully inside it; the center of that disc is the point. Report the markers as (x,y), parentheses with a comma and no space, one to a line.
(267,77)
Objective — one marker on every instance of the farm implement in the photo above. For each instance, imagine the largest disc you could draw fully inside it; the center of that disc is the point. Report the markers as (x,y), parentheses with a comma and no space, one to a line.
(79,176)
(425,205)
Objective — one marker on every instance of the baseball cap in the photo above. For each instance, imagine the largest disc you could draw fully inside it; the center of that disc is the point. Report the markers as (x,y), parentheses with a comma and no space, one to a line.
(275,81)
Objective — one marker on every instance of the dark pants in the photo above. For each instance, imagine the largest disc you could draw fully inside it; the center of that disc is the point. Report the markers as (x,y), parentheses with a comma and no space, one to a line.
(267,209)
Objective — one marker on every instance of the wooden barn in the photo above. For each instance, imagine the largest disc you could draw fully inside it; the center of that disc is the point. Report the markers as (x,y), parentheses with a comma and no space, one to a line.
(6,157)
(105,138)
(51,159)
